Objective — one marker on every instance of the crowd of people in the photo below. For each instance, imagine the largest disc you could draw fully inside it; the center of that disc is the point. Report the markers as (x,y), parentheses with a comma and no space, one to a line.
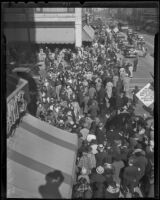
(87,92)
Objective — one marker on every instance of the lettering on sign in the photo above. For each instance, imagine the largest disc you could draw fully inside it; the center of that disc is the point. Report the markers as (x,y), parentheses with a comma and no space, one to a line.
(146,95)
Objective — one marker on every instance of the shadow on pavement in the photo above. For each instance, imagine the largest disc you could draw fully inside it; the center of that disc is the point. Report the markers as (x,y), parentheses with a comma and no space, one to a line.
(51,188)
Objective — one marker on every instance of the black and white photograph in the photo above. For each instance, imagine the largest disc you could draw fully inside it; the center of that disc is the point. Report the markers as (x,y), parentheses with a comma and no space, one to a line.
(79,101)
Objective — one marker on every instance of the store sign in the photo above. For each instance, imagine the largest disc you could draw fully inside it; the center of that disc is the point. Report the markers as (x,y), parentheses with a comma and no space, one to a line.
(15,107)
(146,95)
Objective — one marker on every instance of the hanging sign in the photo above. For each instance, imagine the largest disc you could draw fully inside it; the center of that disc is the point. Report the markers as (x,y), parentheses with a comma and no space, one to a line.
(146,95)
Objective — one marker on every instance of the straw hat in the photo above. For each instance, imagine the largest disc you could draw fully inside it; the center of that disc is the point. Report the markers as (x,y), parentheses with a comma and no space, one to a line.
(100,170)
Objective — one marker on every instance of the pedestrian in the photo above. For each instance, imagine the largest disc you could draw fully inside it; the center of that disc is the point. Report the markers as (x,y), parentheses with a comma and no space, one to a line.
(130,67)
(100,133)
(118,165)
(126,85)
(131,176)
(119,87)
(135,63)
(58,88)
(84,161)
(96,180)
(93,110)
(135,98)
(101,155)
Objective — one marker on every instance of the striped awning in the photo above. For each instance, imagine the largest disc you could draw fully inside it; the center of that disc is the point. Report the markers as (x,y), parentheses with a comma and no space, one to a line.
(88,33)
(36,149)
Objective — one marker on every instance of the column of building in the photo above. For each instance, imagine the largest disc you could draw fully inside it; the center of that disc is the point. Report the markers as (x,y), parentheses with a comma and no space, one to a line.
(78,27)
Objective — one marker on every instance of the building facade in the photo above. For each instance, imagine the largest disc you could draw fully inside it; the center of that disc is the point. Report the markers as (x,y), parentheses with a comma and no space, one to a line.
(43,25)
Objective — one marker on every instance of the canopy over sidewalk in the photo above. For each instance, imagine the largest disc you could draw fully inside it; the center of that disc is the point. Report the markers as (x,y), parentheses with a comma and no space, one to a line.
(36,149)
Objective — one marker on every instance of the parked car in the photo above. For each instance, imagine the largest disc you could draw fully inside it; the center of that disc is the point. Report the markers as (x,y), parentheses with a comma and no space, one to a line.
(129,51)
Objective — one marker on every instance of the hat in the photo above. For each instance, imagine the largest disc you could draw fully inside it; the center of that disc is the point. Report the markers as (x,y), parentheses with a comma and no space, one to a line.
(83,171)
(137,151)
(108,161)
(100,147)
(72,122)
(142,131)
(69,113)
(107,166)
(91,137)
(74,126)
(101,124)
(107,116)
(61,121)
(145,115)
(113,188)
(100,170)
(51,107)
(152,142)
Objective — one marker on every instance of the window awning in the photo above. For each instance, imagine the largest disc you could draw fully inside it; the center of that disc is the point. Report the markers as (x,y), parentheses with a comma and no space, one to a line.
(36,149)
(54,35)
(87,34)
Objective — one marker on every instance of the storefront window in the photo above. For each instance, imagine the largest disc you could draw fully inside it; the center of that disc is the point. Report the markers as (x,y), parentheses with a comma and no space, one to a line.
(55,10)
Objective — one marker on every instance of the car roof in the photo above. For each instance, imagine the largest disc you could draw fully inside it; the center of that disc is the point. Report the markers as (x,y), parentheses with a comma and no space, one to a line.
(21,69)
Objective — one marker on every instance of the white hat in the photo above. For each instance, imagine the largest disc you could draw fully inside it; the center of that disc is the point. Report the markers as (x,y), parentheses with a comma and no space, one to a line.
(71,122)
(152,128)
(69,113)
(91,137)
(137,150)
(84,170)
(141,132)
(139,169)
(144,115)
(108,166)
(152,142)
(100,170)
(61,121)
(51,107)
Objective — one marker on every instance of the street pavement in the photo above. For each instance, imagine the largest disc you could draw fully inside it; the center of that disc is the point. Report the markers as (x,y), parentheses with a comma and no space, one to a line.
(140,78)
(145,65)
(149,43)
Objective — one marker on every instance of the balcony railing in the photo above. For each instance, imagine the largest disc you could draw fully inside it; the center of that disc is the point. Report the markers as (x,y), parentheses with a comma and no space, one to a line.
(16,106)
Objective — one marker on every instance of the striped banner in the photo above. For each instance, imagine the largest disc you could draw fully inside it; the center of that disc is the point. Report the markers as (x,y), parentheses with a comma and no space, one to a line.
(35,150)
